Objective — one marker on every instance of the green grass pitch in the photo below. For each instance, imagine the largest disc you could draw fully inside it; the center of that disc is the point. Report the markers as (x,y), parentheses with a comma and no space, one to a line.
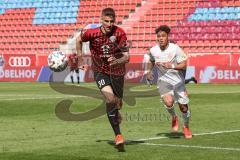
(30,129)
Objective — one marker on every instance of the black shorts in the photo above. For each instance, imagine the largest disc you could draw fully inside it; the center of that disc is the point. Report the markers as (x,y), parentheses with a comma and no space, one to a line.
(74,69)
(116,82)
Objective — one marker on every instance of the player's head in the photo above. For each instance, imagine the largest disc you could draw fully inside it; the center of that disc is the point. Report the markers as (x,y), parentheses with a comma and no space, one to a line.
(162,35)
(108,18)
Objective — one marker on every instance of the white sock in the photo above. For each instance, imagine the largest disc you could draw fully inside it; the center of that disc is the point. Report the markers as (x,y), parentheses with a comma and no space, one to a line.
(186,117)
(171,111)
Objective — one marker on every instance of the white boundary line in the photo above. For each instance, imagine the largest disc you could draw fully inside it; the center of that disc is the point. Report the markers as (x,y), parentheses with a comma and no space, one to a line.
(196,134)
(217,132)
(193,92)
(35,98)
(214,92)
(199,92)
(192,146)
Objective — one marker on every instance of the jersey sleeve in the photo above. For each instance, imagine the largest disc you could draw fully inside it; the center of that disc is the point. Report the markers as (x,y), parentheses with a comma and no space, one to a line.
(123,42)
(85,35)
(181,56)
(151,57)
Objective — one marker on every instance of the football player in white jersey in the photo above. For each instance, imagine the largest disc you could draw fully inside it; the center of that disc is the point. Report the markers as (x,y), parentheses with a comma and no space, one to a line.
(171,63)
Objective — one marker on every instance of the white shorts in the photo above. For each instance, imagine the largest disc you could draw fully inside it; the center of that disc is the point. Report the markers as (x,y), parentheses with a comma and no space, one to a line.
(178,91)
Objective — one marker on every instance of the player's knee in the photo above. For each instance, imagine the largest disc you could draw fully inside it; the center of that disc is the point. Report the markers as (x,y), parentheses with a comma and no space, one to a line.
(168,105)
(183,100)
(119,103)
(111,99)
(183,108)
(110,107)
(168,102)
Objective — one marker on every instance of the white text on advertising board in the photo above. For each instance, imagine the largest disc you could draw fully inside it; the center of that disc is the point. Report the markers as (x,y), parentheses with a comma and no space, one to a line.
(219,74)
(18,73)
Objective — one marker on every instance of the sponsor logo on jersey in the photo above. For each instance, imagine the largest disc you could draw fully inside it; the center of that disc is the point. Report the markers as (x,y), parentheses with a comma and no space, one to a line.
(105,49)
(113,39)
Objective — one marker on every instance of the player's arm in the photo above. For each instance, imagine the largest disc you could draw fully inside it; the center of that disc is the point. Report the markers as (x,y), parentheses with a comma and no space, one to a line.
(181,61)
(124,52)
(124,59)
(79,49)
(179,66)
(150,65)
(85,36)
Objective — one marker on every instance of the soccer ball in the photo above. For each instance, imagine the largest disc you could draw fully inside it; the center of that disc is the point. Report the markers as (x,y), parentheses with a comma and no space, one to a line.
(57,61)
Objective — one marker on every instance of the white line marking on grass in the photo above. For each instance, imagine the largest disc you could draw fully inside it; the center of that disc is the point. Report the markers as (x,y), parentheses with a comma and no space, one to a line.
(200,92)
(190,146)
(31,95)
(196,134)
(35,98)
(213,92)
(217,132)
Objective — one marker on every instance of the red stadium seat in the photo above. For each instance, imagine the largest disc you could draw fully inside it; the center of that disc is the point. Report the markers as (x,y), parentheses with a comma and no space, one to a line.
(16,24)
(236,49)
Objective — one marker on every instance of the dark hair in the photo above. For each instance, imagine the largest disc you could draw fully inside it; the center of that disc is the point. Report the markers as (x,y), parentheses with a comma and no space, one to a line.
(163,28)
(109,12)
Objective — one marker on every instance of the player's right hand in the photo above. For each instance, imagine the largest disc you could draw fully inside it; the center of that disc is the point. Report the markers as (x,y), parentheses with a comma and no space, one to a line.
(149,76)
(83,67)
(80,60)
(80,63)
(112,61)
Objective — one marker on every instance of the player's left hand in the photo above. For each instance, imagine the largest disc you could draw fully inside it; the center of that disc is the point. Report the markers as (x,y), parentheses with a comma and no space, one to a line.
(80,60)
(83,67)
(167,65)
(112,61)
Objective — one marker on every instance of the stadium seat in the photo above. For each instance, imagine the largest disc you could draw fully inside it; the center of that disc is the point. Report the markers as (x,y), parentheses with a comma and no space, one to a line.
(56,20)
